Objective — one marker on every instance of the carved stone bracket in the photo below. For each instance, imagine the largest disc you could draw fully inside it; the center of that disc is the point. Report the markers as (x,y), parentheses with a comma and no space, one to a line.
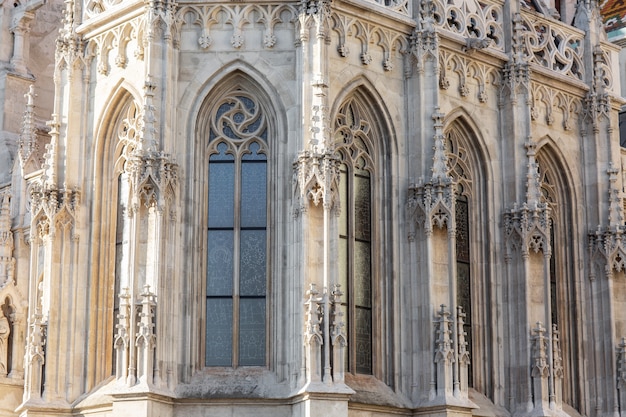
(52,208)
(596,107)
(153,179)
(317,179)
(527,229)
(424,47)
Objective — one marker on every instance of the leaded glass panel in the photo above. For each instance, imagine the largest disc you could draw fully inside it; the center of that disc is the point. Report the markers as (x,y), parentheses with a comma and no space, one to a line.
(362,274)
(237,233)
(353,138)
(219,332)
(252,331)
(363,333)
(462,231)
(252,263)
(221,194)
(220,265)
(253,193)
(362,201)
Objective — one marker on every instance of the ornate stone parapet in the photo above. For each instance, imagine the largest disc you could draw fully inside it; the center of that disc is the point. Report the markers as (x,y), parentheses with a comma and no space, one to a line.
(469,19)
(562,52)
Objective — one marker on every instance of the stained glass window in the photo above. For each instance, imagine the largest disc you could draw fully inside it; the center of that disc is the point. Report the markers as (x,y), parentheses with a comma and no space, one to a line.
(355,233)
(460,170)
(236,282)
(463,281)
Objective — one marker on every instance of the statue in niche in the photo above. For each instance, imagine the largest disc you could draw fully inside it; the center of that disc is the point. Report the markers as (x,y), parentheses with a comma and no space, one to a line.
(5,331)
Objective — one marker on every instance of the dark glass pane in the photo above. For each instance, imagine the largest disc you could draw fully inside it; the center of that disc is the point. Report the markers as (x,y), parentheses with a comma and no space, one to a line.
(362,275)
(343,264)
(252,262)
(462,231)
(362,203)
(252,332)
(219,332)
(221,194)
(220,262)
(363,343)
(463,287)
(253,194)
(343,201)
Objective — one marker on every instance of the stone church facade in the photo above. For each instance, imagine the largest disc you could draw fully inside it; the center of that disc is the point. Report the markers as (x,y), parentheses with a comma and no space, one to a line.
(310,208)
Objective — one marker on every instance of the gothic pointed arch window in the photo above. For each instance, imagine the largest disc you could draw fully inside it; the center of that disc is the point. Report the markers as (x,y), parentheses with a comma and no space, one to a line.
(237,235)
(126,131)
(556,193)
(466,167)
(357,139)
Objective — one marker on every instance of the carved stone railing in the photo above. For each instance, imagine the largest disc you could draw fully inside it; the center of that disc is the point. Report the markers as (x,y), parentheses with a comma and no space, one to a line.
(551,44)
(471,19)
(400,6)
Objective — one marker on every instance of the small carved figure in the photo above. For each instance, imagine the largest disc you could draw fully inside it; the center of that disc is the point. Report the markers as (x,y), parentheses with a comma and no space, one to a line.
(5,331)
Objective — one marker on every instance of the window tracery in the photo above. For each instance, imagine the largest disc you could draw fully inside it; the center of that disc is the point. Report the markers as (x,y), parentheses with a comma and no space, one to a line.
(460,170)
(236,282)
(354,146)
(554,192)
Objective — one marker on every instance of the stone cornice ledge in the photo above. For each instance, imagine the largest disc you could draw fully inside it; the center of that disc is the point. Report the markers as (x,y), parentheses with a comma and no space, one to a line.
(126,11)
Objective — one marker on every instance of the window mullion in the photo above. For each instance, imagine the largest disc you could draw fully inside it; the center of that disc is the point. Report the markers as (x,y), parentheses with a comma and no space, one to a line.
(351,279)
(237,264)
